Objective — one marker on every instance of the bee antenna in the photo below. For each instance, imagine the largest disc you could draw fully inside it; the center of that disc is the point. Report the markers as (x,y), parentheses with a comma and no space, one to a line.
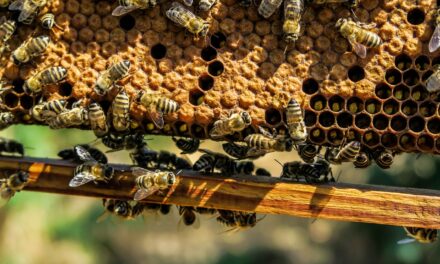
(279,162)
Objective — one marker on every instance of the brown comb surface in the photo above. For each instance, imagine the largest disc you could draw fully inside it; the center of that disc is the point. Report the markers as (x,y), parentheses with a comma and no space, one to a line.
(381,100)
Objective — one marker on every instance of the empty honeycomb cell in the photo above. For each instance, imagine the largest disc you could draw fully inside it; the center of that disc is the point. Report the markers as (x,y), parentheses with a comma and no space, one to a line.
(310,118)
(356,73)
(371,139)
(10,99)
(411,77)
(398,123)
(426,75)
(362,121)
(326,119)
(336,103)
(317,135)
(318,102)
(355,105)
(391,106)
(218,40)
(65,89)
(380,122)
(417,124)
(208,53)
(419,93)
(427,109)
(196,97)
(216,68)
(273,116)
(434,125)
(127,22)
(372,106)
(206,82)
(198,131)
(422,63)
(425,142)
(389,140)
(310,86)
(353,135)
(403,62)
(409,108)
(26,101)
(383,91)
(335,136)
(158,51)
(344,120)
(407,141)
(401,92)
(415,16)
(393,76)
(18,85)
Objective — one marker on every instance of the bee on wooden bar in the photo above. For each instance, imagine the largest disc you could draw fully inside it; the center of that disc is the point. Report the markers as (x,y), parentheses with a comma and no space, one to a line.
(235,150)
(143,156)
(30,49)
(295,122)
(14,183)
(127,6)
(307,152)
(261,144)
(157,105)
(358,35)
(212,160)
(317,172)
(245,167)
(76,116)
(234,123)
(188,216)
(362,160)
(11,146)
(28,9)
(90,170)
(109,77)
(98,120)
(122,209)
(51,75)
(292,19)
(187,145)
(205,211)
(120,111)
(7,29)
(434,42)
(148,182)
(346,153)
(205,163)
(384,158)
(6,119)
(262,172)
(237,220)
(70,154)
(185,18)
(421,235)
(205,5)
(268,7)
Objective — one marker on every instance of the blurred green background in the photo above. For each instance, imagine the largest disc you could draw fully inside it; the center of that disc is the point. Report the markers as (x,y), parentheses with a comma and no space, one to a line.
(46,228)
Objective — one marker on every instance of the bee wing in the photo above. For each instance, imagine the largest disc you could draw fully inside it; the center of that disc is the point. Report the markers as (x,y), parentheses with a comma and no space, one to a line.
(83,154)
(188,2)
(406,241)
(359,49)
(434,43)
(138,171)
(144,193)
(81,179)
(254,152)
(16,5)
(26,14)
(265,132)
(215,132)
(157,117)
(122,10)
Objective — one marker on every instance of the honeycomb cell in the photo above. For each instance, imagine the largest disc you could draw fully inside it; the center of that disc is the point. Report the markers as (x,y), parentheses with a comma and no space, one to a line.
(383,91)
(127,22)
(398,123)
(353,135)
(416,124)
(372,106)
(158,51)
(336,103)
(401,92)
(407,141)
(344,120)
(403,62)
(362,121)
(317,135)
(26,102)
(218,40)
(18,85)
(326,119)
(419,93)
(196,97)
(273,116)
(389,140)
(65,89)
(198,131)
(390,106)
(371,139)
(318,102)
(310,118)
(380,122)
(181,128)
(434,125)
(411,77)
(409,108)
(425,142)
(310,86)
(393,76)
(216,68)
(422,63)
(335,136)
(427,109)
(356,73)
(415,16)
(206,82)
(10,100)
(355,105)
(208,53)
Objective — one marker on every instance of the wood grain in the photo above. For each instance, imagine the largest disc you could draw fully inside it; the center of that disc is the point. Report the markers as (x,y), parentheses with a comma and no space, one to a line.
(338,201)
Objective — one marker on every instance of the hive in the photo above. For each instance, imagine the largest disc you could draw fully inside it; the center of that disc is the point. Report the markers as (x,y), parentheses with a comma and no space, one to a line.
(380,100)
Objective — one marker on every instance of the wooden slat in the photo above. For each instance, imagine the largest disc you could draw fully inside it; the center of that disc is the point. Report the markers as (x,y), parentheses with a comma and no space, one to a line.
(343,202)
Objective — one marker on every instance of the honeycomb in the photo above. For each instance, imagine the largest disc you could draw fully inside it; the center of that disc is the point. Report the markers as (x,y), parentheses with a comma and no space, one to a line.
(245,64)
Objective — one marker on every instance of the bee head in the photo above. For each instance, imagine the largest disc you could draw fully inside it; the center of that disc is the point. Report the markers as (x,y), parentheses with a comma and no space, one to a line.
(19,148)
(386,157)
(246,117)
(108,172)
(23,176)
(126,63)
(340,22)
(15,59)
(122,208)
(289,144)
(171,178)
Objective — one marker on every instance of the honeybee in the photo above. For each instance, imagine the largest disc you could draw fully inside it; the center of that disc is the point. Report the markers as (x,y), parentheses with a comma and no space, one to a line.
(148,182)
(188,145)
(211,160)
(206,163)
(120,111)
(261,144)
(46,110)
(205,211)
(127,6)
(262,172)
(14,183)
(98,121)
(30,49)
(7,29)
(118,142)
(346,153)
(185,18)
(90,170)
(434,42)
(236,122)
(188,216)
(362,160)
(308,152)
(29,9)
(70,154)
(244,167)
(433,82)
(316,172)
(6,119)
(119,208)
(295,121)
(11,146)
(76,116)
(51,75)
(205,5)
(157,106)
(358,35)
(268,7)
(235,150)
(421,235)
(144,156)
(110,76)
(237,220)
(47,21)
(384,158)
(292,18)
